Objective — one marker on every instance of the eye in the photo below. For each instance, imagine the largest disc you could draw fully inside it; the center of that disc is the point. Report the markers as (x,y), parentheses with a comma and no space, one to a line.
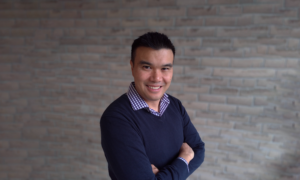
(165,69)
(146,67)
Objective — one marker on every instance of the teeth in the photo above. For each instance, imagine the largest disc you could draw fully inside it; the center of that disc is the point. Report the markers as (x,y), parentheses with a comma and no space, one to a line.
(154,87)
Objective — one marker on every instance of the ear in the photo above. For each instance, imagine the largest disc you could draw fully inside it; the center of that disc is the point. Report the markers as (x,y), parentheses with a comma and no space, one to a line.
(131,64)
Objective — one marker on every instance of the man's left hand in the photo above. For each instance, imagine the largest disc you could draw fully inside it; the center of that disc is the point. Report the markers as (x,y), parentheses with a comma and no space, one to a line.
(154,169)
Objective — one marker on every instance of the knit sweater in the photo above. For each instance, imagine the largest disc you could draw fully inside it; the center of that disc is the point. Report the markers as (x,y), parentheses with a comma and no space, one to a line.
(133,140)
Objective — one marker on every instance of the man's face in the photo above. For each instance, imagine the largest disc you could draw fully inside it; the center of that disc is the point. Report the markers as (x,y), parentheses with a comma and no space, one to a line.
(152,71)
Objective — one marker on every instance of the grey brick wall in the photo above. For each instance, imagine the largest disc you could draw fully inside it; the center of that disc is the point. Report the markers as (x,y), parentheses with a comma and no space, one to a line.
(236,71)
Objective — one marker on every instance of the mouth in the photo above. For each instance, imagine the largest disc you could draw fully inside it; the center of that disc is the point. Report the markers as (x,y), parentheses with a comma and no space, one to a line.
(154,87)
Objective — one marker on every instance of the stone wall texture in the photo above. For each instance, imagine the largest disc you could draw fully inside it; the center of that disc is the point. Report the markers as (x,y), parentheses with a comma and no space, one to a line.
(62,62)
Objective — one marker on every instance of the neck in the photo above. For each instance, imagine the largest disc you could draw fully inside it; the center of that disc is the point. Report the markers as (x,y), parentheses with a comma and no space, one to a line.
(154,105)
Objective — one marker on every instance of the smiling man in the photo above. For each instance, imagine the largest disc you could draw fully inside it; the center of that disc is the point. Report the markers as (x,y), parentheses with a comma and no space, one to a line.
(146,133)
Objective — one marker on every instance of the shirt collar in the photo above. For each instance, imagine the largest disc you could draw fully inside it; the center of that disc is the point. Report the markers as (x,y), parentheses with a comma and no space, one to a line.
(138,103)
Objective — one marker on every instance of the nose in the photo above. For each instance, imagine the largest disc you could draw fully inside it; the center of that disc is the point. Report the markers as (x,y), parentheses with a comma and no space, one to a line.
(156,75)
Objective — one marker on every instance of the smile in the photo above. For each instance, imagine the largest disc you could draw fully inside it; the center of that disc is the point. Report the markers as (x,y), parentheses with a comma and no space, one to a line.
(152,87)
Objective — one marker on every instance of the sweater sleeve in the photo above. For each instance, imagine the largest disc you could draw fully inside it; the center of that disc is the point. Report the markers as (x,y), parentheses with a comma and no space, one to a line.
(192,138)
(126,156)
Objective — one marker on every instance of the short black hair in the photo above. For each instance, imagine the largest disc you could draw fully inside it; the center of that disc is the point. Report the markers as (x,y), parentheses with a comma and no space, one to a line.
(152,40)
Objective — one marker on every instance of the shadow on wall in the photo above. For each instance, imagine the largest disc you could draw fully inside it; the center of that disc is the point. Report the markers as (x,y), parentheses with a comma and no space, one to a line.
(284,107)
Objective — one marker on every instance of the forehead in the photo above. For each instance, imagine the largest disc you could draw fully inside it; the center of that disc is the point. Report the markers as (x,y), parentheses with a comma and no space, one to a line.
(148,54)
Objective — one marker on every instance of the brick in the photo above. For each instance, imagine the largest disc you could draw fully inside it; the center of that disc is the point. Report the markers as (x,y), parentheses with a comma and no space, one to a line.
(225,91)
(286,72)
(236,117)
(80,5)
(229,148)
(248,127)
(118,13)
(197,89)
(186,61)
(212,98)
(118,59)
(250,110)
(220,21)
(74,32)
(174,87)
(271,20)
(214,138)
(80,41)
(68,108)
(94,13)
(201,32)
(202,11)
(185,96)
(109,22)
(158,3)
(229,52)
(258,51)
(90,57)
(258,41)
(12,41)
(247,101)
(216,42)
(224,62)
(258,92)
(262,101)
(244,20)
(198,71)
(222,108)
(160,22)
(292,63)
(242,32)
(4,23)
(243,82)
(283,52)
(133,23)
(4,96)
(197,51)
(285,12)
(275,63)
(85,23)
(244,72)
(290,32)
(259,9)
(195,105)
(292,3)
(6,5)
(186,42)
(214,81)
(120,67)
(134,3)
(119,32)
(293,43)
(218,2)
(230,10)
(65,14)
(59,23)
(172,11)
(9,86)
(23,13)
(4,145)
(96,49)
(189,22)
(148,12)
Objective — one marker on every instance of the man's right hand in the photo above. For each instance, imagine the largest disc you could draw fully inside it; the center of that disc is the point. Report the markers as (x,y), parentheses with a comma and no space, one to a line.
(186,152)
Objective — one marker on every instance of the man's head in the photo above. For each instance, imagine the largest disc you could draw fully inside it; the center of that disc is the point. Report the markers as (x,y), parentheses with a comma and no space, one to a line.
(153,40)
(152,66)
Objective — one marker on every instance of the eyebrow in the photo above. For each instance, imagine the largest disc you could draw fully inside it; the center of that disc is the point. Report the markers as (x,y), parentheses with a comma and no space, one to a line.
(145,62)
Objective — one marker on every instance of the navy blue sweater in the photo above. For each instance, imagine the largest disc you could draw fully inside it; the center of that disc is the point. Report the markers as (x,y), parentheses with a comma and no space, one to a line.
(133,140)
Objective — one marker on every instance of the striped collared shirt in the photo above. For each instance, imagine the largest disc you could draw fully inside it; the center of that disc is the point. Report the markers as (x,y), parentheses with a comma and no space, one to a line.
(138,103)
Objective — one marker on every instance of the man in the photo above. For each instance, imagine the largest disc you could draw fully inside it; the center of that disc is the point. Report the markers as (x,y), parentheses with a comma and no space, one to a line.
(147,134)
